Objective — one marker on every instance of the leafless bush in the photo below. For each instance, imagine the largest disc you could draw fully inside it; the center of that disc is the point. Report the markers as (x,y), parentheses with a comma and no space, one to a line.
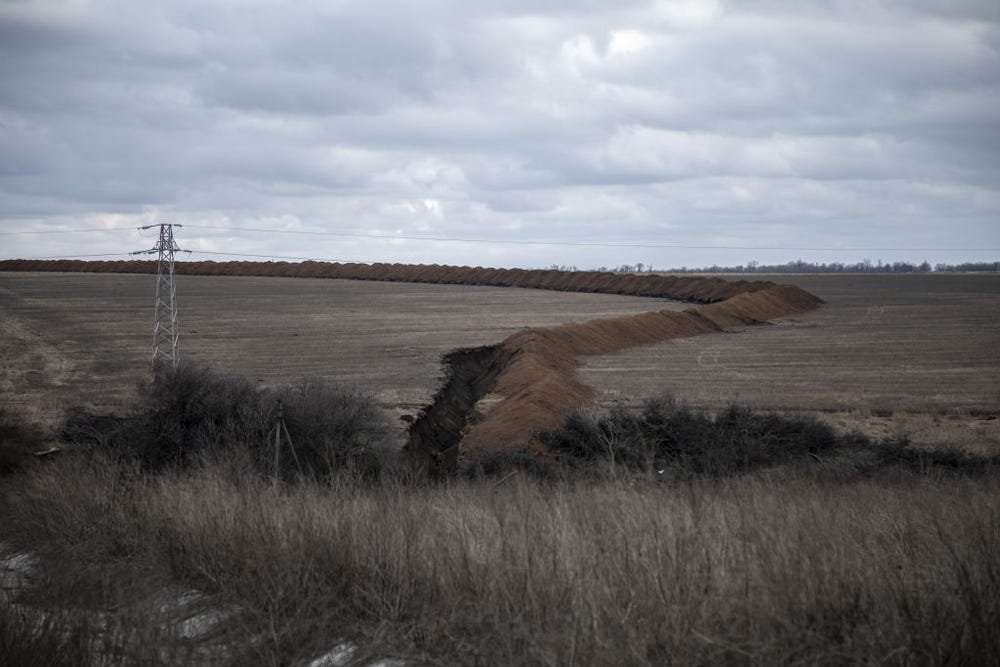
(192,414)
(672,438)
(333,429)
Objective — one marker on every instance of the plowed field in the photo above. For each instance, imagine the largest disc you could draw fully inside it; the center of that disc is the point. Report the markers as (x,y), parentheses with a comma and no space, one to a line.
(888,355)
(84,338)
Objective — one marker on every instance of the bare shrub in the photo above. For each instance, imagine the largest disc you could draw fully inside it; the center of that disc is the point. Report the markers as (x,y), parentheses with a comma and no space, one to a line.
(672,438)
(333,429)
(191,414)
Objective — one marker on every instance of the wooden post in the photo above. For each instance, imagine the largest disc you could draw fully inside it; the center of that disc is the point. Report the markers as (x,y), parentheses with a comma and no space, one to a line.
(277,442)
(281,432)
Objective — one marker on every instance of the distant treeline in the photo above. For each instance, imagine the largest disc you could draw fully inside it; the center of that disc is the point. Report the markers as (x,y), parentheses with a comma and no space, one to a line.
(799,266)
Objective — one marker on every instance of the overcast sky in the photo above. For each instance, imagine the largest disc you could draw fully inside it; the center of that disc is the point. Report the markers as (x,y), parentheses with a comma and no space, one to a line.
(739,126)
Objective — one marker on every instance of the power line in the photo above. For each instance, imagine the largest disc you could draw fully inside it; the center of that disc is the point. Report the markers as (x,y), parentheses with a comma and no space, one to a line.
(302,259)
(446,239)
(71,231)
(105,254)
(201,252)
(274,230)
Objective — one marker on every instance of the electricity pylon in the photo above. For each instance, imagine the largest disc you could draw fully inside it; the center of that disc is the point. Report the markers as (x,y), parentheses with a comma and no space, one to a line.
(165,332)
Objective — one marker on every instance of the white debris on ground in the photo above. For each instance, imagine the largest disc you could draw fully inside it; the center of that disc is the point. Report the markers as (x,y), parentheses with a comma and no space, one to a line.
(192,614)
(342,653)
(339,655)
(14,570)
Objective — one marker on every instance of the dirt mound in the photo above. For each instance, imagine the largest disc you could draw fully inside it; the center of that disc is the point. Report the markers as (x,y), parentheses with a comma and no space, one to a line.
(535,370)
(760,306)
(533,373)
(696,289)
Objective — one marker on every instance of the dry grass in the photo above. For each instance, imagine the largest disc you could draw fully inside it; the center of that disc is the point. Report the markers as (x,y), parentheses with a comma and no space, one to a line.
(774,568)
(19,439)
(798,564)
(962,430)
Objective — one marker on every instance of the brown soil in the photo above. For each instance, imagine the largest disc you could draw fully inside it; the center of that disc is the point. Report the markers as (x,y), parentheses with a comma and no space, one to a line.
(890,356)
(532,374)
(697,289)
(536,369)
(83,339)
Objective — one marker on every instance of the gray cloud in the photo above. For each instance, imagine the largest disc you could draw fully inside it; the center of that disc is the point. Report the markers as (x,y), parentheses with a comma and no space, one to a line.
(699,122)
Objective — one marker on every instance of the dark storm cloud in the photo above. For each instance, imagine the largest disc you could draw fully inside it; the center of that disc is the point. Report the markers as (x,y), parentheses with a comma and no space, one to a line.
(819,124)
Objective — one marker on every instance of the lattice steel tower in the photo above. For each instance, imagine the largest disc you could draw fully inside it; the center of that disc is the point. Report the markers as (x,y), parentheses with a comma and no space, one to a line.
(165,332)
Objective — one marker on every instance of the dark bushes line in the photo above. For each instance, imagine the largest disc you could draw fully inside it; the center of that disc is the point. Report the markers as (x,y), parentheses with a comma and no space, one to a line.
(671,436)
(18,439)
(192,413)
(674,440)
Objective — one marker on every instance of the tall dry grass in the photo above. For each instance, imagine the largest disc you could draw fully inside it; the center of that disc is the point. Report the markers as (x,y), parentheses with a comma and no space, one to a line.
(18,440)
(771,568)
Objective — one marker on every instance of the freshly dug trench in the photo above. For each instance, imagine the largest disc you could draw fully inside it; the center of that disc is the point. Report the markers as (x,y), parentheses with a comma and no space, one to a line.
(535,372)
(434,437)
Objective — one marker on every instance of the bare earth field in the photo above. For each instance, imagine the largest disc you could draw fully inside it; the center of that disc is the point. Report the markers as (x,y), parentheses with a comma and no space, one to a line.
(832,563)
(887,354)
(84,339)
